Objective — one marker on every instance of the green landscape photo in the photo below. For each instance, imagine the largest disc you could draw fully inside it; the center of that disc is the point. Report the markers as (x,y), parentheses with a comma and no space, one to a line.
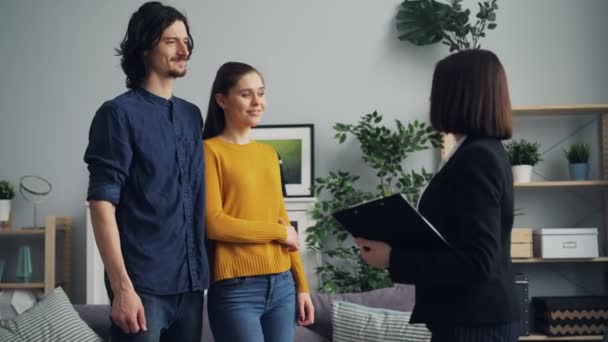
(290,151)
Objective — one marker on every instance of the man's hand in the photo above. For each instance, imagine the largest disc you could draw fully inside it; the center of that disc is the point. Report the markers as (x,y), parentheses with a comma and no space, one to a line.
(293,240)
(306,311)
(128,311)
(375,253)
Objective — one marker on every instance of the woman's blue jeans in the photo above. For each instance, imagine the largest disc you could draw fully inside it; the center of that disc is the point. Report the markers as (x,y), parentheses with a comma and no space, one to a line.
(253,309)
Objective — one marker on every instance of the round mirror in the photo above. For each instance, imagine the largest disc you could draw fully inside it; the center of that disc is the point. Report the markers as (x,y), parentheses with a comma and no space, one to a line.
(35,190)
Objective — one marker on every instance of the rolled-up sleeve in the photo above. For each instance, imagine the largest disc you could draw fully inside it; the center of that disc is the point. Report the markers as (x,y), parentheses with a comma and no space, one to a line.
(108,154)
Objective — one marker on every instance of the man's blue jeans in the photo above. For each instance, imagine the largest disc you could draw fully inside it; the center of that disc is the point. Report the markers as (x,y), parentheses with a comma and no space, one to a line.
(253,309)
(169,318)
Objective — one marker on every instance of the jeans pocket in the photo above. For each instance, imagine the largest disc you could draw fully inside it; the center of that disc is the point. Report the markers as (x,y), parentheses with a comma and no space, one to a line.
(286,276)
(286,280)
(231,282)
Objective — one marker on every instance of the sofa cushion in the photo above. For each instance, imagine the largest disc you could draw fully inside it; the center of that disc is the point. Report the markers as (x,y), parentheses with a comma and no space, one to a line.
(97,316)
(51,319)
(304,334)
(398,297)
(353,322)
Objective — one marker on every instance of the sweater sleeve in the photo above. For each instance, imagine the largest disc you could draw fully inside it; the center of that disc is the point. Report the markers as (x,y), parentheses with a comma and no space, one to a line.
(220,226)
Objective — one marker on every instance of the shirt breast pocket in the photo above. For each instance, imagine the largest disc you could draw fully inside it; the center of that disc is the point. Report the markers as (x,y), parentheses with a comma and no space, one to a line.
(155,151)
(153,140)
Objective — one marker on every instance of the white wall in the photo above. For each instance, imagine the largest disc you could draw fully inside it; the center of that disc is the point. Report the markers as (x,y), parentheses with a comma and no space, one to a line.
(324,62)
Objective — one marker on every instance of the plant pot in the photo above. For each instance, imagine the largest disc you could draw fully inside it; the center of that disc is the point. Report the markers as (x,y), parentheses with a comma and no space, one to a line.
(522,173)
(5,209)
(579,171)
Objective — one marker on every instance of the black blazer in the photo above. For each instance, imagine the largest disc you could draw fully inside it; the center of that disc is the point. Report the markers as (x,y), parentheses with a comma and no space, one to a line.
(470,201)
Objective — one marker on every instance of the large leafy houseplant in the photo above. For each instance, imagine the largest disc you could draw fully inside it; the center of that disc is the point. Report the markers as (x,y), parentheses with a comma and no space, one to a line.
(384,150)
(426,22)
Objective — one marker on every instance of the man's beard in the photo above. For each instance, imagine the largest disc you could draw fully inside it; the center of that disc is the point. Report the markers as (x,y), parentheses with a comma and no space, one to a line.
(178,73)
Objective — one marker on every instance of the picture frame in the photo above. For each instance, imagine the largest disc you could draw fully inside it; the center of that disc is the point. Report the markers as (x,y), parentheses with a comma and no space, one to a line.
(294,144)
(311,259)
(300,221)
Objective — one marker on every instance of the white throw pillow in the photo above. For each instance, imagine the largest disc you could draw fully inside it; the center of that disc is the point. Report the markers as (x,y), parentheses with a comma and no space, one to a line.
(358,323)
(53,319)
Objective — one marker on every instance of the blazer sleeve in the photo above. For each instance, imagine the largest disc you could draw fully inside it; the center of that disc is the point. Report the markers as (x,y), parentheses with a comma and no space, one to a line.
(473,205)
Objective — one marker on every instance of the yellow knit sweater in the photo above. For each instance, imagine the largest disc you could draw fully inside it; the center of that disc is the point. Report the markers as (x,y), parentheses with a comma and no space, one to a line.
(243,204)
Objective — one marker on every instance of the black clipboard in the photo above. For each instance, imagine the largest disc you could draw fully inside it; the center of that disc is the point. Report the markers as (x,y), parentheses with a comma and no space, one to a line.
(391,219)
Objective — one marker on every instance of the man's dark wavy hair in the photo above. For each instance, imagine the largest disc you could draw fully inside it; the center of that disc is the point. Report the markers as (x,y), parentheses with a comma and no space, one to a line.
(145,29)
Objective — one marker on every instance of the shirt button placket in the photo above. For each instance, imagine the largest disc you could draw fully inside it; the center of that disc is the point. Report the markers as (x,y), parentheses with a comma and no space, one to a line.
(186,194)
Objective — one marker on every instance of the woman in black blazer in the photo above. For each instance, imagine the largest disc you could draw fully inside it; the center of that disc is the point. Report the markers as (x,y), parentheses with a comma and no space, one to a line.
(467,292)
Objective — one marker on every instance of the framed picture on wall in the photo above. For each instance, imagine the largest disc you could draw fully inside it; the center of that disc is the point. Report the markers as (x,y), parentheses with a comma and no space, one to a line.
(294,144)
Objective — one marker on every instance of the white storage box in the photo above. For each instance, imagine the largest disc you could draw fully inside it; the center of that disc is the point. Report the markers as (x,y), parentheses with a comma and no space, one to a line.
(565,243)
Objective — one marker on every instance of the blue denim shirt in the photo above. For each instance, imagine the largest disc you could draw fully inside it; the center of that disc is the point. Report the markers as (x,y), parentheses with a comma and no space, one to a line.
(145,156)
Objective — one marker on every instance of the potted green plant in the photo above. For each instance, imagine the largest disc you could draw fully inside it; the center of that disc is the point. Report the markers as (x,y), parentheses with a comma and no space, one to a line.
(384,149)
(425,22)
(523,155)
(578,157)
(6,195)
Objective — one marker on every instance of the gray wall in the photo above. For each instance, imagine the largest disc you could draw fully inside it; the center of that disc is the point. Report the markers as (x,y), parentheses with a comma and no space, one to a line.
(324,62)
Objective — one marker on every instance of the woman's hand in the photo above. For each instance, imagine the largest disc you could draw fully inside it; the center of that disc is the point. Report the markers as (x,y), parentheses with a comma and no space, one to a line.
(293,239)
(306,311)
(375,253)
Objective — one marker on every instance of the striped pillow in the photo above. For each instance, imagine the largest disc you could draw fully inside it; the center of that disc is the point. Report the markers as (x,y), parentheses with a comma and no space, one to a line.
(51,319)
(354,322)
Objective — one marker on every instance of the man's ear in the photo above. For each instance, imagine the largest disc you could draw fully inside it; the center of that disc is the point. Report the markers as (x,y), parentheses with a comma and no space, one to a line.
(221,100)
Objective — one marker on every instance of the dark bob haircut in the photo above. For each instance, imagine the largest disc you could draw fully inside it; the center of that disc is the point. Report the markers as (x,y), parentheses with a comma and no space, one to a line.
(144,32)
(470,95)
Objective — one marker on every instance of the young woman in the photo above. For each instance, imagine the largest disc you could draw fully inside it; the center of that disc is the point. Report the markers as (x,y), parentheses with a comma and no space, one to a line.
(259,291)
(467,292)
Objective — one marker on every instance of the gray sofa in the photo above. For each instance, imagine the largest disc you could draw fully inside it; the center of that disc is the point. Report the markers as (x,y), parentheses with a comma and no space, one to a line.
(400,297)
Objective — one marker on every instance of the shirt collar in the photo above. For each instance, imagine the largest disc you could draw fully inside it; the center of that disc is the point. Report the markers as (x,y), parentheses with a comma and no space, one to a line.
(153,97)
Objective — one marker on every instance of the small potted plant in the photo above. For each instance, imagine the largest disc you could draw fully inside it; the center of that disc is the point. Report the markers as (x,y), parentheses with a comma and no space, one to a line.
(578,157)
(6,195)
(523,156)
